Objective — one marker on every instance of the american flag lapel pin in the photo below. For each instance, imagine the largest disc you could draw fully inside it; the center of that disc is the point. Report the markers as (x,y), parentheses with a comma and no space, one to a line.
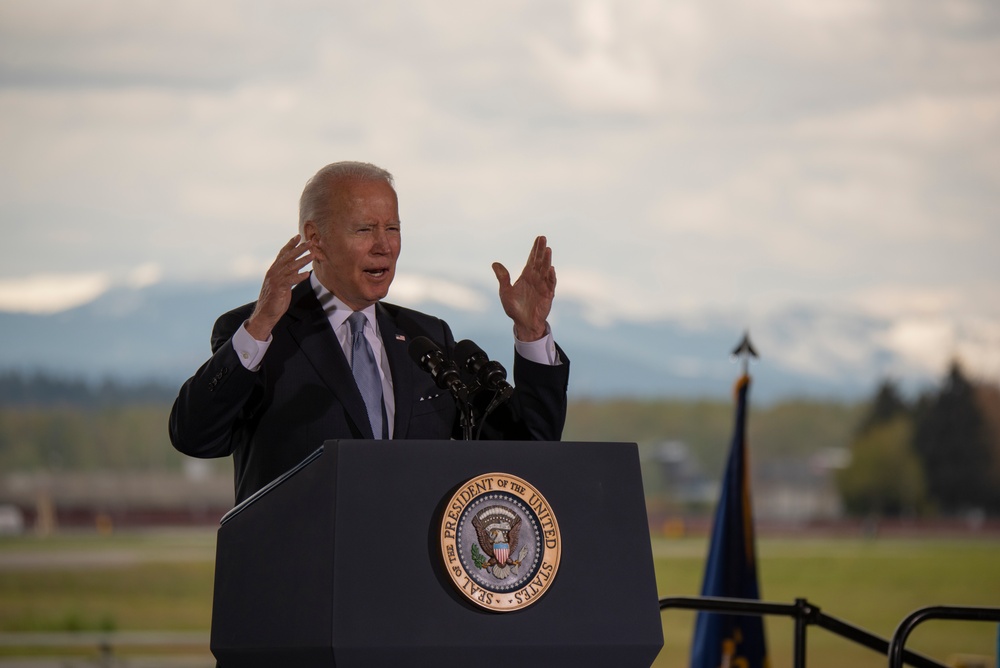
(401,337)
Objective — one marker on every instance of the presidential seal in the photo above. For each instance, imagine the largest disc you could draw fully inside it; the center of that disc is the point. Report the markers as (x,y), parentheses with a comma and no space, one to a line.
(500,542)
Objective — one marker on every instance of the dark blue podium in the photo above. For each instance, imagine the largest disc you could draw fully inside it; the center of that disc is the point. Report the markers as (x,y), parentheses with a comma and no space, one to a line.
(338,562)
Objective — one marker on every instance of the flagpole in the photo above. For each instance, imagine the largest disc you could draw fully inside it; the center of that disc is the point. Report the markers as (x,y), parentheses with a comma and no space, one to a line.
(731,566)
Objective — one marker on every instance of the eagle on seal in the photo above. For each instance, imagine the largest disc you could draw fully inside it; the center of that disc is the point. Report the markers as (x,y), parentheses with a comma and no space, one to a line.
(497,529)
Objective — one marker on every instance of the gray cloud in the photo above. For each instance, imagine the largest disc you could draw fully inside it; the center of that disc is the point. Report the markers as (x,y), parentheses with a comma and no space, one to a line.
(677,155)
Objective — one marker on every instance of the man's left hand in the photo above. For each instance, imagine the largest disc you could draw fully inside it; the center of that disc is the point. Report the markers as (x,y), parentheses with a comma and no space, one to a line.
(529,300)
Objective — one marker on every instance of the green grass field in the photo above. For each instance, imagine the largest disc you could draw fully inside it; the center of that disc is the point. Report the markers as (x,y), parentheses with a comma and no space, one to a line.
(163,581)
(873,584)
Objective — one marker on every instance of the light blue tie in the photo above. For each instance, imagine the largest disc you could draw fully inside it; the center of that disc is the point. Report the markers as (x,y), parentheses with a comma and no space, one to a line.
(366,373)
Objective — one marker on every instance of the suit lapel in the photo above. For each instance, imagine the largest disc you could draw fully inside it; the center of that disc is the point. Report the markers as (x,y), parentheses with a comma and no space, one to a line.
(396,343)
(310,328)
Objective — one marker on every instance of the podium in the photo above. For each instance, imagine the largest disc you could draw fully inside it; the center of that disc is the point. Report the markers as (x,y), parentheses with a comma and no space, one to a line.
(339,562)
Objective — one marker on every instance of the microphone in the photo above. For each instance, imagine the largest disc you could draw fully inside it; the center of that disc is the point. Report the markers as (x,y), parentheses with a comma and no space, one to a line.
(429,357)
(490,373)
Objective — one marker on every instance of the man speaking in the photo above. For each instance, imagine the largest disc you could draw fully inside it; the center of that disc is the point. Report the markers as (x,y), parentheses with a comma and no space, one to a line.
(319,356)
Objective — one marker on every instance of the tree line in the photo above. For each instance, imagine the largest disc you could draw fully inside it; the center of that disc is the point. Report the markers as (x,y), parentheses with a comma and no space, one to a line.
(54,423)
(45,390)
(939,453)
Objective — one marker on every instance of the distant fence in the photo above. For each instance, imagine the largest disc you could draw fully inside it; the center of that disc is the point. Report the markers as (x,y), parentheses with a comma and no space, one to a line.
(106,649)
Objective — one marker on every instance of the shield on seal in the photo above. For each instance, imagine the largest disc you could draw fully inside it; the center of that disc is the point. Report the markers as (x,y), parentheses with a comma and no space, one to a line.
(501,551)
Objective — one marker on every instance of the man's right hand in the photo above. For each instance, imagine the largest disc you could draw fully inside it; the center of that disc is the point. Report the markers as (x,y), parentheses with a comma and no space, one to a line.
(276,292)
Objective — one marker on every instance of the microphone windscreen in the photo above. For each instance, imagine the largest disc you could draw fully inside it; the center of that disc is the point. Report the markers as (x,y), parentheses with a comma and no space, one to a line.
(419,347)
(465,350)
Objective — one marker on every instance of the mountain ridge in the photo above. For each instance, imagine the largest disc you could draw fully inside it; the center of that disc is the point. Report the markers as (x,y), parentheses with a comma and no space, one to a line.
(161,332)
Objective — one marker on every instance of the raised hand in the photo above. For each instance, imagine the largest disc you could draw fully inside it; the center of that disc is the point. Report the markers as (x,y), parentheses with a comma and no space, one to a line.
(528,301)
(276,291)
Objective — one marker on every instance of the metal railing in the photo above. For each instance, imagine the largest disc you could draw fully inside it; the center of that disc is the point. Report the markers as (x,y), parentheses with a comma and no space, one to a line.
(921,615)
(805,614)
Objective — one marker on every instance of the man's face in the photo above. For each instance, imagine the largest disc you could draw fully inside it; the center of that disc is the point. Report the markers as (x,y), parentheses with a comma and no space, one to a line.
(359,245)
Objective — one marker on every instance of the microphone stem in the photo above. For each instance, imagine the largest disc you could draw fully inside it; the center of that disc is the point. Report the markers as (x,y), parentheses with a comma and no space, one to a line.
(498,398)
(466,419)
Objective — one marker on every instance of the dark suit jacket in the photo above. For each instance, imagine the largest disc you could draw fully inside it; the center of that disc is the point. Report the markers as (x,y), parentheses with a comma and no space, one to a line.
(304,393)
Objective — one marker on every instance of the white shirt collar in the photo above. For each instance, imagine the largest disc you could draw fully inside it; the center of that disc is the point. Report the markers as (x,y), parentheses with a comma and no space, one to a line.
(336,310)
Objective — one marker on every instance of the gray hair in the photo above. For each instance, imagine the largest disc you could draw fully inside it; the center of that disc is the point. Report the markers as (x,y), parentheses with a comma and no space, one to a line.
(314,203)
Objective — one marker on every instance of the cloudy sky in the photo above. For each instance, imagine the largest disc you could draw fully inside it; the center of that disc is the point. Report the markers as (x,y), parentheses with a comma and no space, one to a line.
(680,156)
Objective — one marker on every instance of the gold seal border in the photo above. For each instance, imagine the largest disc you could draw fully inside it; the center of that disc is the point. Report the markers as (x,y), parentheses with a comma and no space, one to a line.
(547,526)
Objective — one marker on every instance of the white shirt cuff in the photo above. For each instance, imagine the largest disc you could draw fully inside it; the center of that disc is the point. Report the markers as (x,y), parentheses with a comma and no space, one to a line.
(248,349)
(542,351)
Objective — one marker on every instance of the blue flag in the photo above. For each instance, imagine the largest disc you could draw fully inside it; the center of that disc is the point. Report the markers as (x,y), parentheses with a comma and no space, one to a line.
(721,640)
